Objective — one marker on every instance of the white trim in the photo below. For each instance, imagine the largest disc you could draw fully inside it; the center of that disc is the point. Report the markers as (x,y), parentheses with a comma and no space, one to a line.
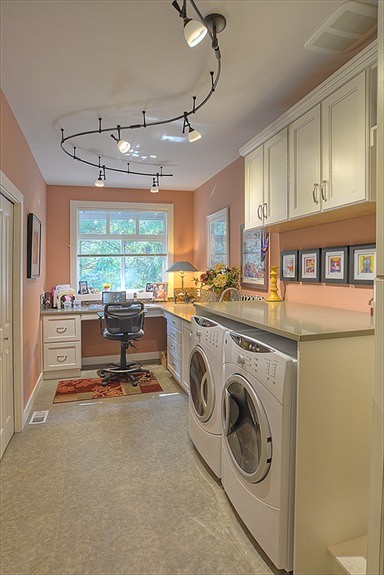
(149,207)
(28,407)
(363,60)
(16,197)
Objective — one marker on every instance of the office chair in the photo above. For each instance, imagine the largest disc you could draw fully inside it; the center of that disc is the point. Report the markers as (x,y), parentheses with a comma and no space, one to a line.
(123,322)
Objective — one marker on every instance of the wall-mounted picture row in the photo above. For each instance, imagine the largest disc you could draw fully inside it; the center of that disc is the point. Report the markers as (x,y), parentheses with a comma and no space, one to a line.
(332,265)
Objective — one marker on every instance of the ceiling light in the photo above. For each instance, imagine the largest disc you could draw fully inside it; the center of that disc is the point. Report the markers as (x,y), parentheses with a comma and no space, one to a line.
(195,30)
(99,182)
(155,185)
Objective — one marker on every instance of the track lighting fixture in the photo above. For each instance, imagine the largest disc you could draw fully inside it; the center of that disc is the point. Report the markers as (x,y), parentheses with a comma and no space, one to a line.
(195,31)
(155,185)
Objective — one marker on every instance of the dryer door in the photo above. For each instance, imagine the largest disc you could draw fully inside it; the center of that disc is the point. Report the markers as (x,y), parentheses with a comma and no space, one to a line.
(247,434)
(202,390)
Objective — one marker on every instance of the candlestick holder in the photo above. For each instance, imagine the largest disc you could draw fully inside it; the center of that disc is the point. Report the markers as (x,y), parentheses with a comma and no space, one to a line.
(273,295)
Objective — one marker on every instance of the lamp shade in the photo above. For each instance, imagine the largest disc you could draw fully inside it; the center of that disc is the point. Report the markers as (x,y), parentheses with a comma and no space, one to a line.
(181,267)
(194,32)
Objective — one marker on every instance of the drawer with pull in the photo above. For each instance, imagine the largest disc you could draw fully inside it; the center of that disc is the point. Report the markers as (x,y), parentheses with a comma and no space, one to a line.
(173,334)
(62,356)
(64,328)
(173,321)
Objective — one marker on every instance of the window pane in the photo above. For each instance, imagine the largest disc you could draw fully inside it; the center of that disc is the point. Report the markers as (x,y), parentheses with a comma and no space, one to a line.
(99,270)
(122,223)
(99,247)
(92,222)
(140,269)
(143,248)
(151,223)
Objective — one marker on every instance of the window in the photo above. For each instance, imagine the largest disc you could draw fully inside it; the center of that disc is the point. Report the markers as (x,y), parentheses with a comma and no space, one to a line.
(217,238)
(125,245)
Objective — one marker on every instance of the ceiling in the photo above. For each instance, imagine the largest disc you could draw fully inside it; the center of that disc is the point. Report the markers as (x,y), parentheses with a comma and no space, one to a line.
(65,63)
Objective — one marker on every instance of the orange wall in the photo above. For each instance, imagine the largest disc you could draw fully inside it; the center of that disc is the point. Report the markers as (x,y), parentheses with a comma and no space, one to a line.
(227,189)
(18,164)
(58,231)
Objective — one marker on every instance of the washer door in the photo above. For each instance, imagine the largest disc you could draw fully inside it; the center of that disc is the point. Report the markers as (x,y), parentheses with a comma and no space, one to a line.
(201,384)
(247,434)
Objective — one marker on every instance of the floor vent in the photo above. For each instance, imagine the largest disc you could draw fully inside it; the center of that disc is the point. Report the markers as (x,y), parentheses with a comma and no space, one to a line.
(38,417)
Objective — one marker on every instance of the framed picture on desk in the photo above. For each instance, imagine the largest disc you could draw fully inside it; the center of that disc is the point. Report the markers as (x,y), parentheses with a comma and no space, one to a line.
(160,291)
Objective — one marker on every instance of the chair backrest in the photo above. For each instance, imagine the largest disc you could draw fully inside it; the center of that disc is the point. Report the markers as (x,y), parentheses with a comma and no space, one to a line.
(126,317)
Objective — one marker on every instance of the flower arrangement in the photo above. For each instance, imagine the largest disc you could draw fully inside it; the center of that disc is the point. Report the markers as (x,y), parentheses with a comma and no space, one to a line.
(107,286)
(219,277)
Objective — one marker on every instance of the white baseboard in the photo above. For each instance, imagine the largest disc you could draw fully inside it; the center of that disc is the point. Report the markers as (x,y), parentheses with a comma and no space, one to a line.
(105,359)
(28,407)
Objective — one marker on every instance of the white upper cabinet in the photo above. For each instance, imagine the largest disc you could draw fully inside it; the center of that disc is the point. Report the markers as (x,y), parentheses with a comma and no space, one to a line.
(266,183)
(335,131)
(344,149)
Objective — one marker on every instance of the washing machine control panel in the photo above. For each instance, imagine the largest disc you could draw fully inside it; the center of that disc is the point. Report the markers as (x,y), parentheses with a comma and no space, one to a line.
(270,367)
(208,334)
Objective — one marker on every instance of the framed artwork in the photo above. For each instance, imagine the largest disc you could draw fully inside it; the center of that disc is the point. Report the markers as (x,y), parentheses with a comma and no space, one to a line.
(218,238)
(83,287)
(309,265)
(254,266)
(362,264)
(149,287)
(33,246)
(160,291)
(289,266)
(334,265)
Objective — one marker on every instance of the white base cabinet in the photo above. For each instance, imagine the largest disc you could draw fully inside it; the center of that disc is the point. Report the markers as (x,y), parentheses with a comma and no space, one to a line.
(61,343)
(178,348)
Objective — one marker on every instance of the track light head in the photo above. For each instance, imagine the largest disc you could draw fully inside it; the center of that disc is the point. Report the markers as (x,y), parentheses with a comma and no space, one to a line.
(193,135)
(155,185)
(194,32)
(123,146)
(99,182)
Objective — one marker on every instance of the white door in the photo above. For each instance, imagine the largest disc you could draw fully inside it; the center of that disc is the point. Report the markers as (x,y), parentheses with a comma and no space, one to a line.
(344,145)
(254,189)
(304,164)
(7,421)
(275,206)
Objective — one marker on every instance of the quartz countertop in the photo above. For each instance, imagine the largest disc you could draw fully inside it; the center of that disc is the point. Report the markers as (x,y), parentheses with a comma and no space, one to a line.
(300,322)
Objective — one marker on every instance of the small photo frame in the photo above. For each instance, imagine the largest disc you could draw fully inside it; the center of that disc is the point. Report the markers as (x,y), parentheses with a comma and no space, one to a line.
(83,287)
(309,265)
(289,266)
(334,265)
(362,264)
(33,246)
(254,258)
(160,291)
(149,287)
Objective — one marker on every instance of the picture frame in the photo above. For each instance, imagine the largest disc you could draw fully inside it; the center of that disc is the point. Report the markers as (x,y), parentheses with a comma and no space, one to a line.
(83,287)
(160,291)
(289,266)
(149,287)
(254,259)
(362,264)
(217,235)
(33,246)
(309,265)
(334,265)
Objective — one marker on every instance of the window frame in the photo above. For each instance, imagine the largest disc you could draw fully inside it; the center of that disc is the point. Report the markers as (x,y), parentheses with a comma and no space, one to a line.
(76,205)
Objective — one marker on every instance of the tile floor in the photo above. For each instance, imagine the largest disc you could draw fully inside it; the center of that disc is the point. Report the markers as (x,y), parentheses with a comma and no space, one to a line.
(116,488)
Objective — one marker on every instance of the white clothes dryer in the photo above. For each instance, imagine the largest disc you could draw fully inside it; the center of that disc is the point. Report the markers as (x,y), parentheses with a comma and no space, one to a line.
(206,383)
(258,414)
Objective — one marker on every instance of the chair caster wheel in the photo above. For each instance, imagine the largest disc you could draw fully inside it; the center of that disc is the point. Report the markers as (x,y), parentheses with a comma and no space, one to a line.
(148,376)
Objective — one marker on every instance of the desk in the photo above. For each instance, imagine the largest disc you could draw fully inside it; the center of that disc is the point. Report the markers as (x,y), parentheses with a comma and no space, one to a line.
(71,339)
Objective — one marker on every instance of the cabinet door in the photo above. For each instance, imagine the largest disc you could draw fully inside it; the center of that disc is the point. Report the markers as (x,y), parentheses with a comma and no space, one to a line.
(304,164)
(344,144)
(275,202)
(253,199)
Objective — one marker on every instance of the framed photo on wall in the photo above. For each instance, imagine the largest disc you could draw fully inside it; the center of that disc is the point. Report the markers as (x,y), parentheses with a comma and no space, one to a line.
(334,265)
(33,246)
(362,264)
(309,265)
(289,266)
(218,238)
(254,259)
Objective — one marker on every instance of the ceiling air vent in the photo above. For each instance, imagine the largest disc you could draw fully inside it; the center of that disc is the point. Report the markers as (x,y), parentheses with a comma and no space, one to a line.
(349,26)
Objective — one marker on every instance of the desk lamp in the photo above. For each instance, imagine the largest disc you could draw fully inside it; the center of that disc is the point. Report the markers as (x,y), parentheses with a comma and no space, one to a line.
(182,267)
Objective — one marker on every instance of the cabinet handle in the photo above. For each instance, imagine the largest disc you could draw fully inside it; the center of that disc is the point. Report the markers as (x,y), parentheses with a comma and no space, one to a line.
(322,190)
(314,193)
(260,212)
(61,329)
(61,358)
(265,210)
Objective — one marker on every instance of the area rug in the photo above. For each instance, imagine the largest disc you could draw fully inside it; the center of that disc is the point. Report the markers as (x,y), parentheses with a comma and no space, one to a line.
(91,388)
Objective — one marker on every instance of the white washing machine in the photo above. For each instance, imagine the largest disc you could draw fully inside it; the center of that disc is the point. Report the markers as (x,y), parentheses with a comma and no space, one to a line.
(205,384)
(258,414)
